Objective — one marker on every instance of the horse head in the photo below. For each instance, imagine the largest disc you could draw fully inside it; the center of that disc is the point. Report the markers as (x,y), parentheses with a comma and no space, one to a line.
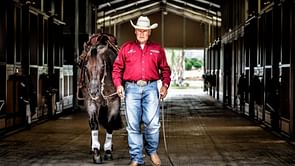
(95,70)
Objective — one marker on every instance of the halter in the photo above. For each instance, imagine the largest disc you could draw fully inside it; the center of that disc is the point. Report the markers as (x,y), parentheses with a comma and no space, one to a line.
(84,59)
(102,85)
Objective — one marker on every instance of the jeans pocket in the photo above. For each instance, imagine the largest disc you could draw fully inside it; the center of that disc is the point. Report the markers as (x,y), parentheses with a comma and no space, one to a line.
(127,85)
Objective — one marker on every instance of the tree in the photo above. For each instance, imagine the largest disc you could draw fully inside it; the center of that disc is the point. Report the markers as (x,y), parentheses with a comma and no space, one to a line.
(177,66)
(193,62)
(188,65)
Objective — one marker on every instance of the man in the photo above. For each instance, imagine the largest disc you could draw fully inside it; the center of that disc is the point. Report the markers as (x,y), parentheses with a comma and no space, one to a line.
(138,66)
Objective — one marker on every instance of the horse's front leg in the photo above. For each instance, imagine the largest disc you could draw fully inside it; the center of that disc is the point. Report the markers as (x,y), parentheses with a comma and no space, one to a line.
(94,126)
(108,145)
(113,113)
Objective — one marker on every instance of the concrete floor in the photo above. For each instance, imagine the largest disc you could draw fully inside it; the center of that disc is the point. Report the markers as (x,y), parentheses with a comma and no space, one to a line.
(199,132)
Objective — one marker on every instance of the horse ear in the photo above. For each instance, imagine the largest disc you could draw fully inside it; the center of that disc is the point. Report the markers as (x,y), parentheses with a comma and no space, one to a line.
(84,45)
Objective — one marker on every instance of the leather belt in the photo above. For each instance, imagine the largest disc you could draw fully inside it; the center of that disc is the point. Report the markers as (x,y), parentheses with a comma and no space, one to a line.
(142,82)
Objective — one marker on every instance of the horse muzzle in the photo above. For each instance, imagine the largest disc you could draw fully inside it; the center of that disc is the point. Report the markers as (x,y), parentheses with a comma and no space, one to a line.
(93,89)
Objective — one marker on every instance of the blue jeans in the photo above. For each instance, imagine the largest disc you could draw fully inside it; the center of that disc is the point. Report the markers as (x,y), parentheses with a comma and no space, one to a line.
(142,106)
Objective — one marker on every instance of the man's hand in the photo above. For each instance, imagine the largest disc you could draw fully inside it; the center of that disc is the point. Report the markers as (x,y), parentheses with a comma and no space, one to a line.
(163,92)
(120,91)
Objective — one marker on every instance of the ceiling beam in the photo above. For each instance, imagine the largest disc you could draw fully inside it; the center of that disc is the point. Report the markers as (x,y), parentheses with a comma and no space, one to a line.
(209,3)
(126,16)
(201,14)
(196,7)
(109,4)
(197,16)
(107,18)
(126,6)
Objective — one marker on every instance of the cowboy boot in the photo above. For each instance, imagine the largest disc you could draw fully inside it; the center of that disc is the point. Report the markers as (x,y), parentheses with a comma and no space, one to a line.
(155,159)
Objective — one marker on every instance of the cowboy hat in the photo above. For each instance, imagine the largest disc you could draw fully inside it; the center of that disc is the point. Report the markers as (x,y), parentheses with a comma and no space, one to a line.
(143,22)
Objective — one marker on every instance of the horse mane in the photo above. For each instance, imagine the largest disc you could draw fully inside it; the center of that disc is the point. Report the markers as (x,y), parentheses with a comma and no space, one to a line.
(103,39)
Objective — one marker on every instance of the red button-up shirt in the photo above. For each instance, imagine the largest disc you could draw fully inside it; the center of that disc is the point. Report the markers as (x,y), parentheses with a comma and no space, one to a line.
(134,63)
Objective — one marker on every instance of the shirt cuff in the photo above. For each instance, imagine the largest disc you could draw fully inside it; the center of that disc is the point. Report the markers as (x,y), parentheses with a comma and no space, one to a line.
(166,85)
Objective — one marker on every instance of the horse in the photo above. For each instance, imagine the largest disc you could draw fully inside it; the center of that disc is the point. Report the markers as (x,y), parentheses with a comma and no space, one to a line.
(99,93)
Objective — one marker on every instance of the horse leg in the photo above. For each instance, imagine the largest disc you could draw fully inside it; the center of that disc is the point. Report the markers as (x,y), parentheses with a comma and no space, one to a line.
(114,116)
(93,123)
(108,145)
(113,111)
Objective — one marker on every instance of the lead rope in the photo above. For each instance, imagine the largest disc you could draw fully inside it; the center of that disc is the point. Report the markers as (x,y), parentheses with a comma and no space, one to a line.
(164,133)
(102,84)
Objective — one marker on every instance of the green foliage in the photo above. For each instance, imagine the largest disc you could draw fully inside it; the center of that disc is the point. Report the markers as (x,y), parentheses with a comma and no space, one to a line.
(193,62)
(188,65)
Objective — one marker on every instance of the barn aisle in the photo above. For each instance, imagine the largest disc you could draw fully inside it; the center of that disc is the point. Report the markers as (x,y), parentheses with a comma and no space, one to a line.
(199,132)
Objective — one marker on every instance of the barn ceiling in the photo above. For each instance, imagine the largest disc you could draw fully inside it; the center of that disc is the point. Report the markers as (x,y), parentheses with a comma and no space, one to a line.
(111,12)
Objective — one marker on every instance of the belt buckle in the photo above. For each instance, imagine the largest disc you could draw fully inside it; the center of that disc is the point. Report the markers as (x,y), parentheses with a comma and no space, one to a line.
(141,83)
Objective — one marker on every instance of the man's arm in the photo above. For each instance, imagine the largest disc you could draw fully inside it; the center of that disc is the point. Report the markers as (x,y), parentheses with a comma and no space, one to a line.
(118,68)
(165,70)
(165,75)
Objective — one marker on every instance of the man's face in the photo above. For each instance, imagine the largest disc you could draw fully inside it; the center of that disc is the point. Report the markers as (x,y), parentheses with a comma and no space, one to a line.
(142,35)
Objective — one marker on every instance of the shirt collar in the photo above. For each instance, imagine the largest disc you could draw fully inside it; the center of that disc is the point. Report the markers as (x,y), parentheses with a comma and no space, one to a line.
(147,43)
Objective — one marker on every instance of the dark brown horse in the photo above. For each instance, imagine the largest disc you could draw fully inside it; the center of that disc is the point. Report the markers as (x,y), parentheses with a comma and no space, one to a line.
(101,100)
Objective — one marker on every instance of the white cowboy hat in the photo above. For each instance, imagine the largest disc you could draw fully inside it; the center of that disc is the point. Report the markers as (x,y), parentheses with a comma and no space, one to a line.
(143,22)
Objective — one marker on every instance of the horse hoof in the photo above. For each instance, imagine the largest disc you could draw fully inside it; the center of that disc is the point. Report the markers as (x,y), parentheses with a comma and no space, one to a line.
(97,157)
(108,155)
